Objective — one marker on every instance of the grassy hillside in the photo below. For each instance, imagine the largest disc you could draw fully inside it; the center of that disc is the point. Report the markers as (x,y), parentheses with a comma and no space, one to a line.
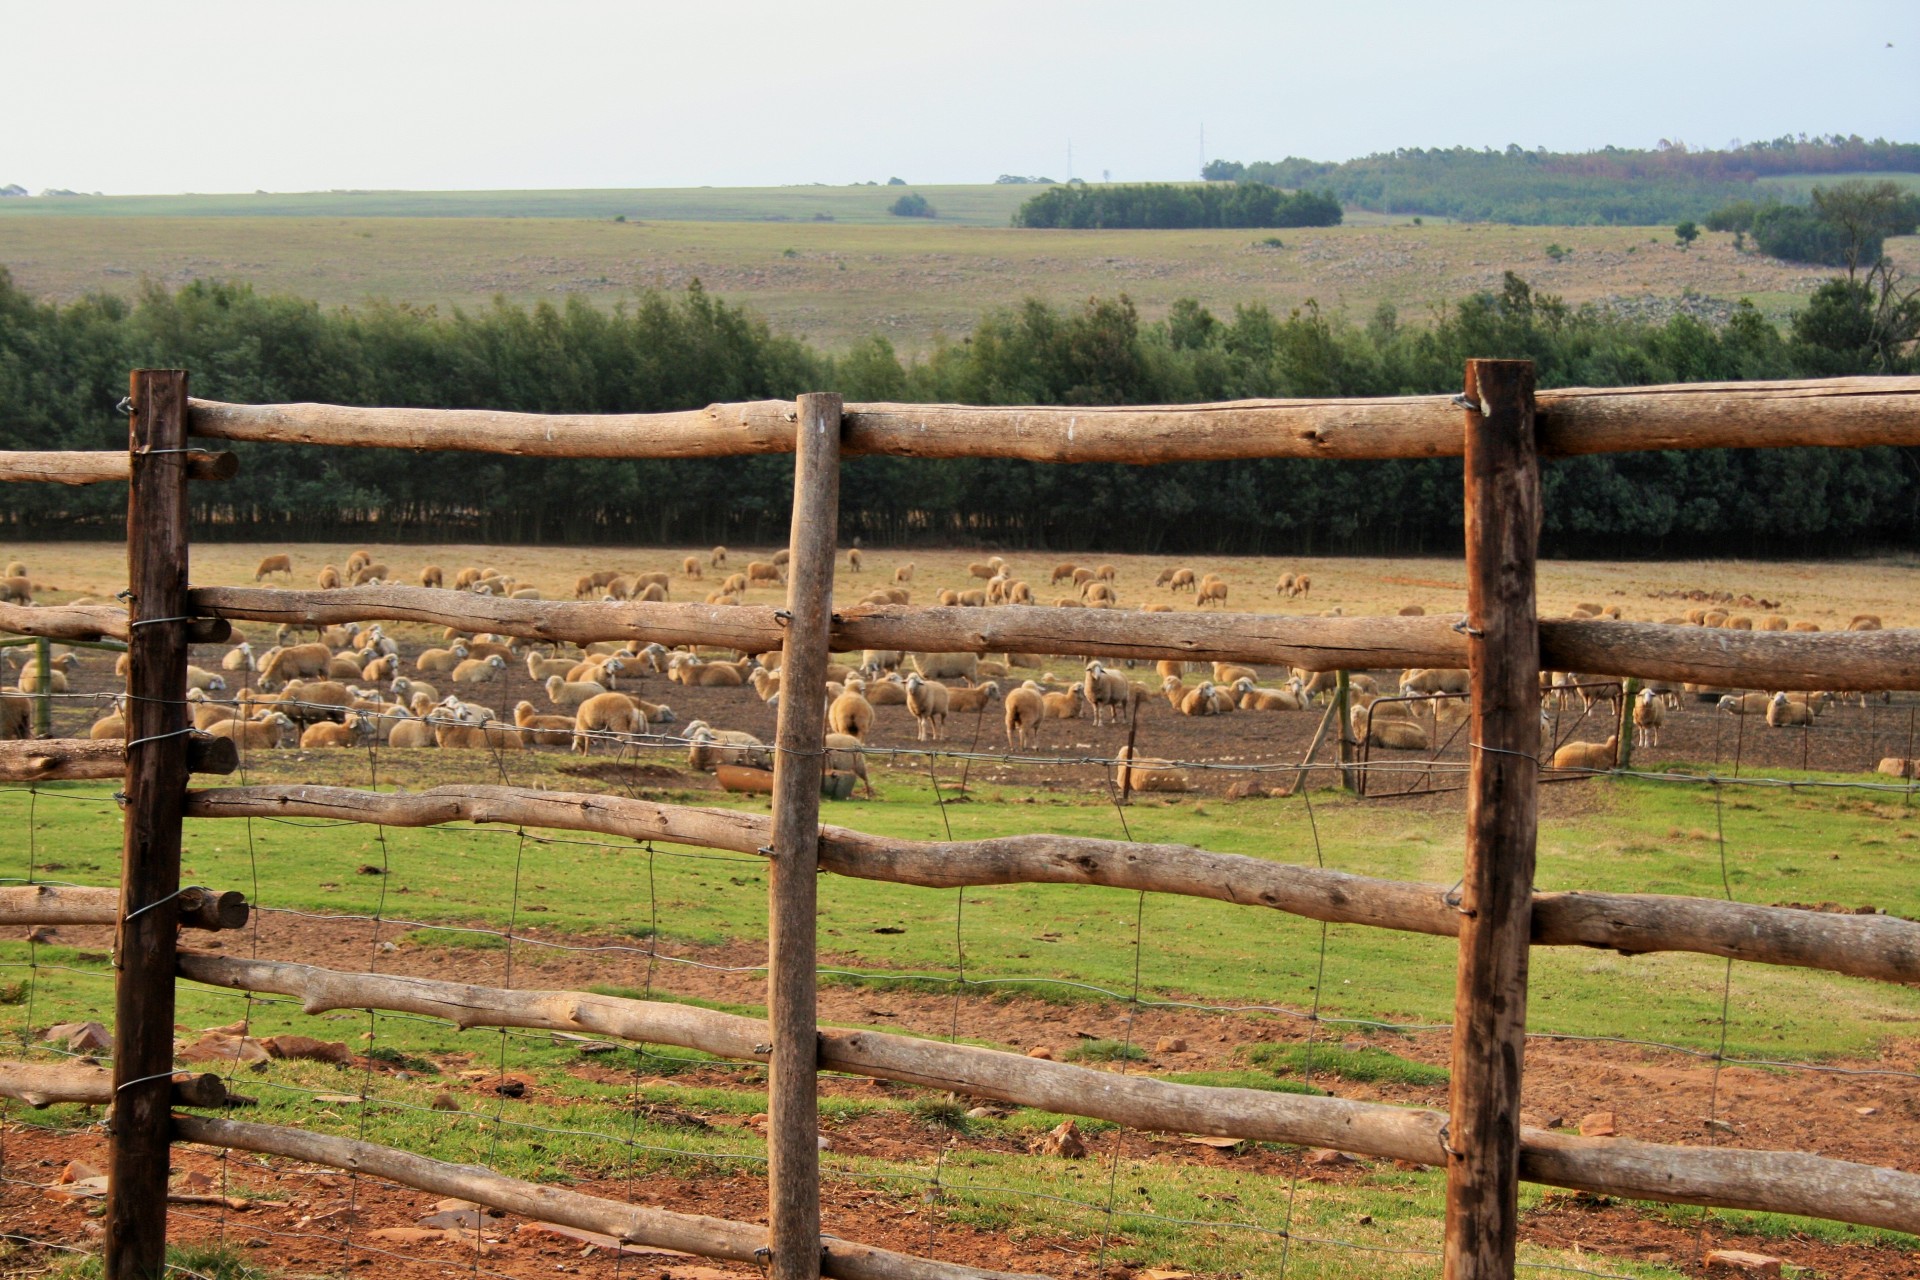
(833,283)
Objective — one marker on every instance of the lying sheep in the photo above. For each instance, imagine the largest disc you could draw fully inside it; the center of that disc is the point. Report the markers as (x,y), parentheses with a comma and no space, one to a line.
(1390,731)
(690,671)
(197,678)
(273,564)
(267,733)
(1144,774)
(1253,698)
(709,748)
(888,691)
(1783,712)
(479,670)
(1069,704)
(238,658)
(927,702)
(572,693)
(1745,704)
(441,661)
(542,730)
(540,670)
(1597,756)
(355,731)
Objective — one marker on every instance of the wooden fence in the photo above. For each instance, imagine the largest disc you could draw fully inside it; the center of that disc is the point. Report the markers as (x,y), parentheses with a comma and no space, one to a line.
(1501,428)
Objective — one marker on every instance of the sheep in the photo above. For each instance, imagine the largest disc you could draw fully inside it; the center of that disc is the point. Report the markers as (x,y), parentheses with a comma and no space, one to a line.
(735,584)
(1144,774)
(1284,587)
(709,748)
(1745,704)
(717,558)
(408,691)
(479,670)
(982,570)
(1226,673)
(1648,713)
(1399,733)
(1772,622)
(606,714)
(1182,580)
(1065,569)
(1214,591)
(997,589)
(367,573)
(540,669)
(16,590)
(1783,712)
(356,730)
(273,564)
(880,659)
(16,717)
(845,756)
(1099,595)
(572,693)
(441,661)
(1109,693)
(357,560)
(1195,702)
(1596,756)
(782,556)
(410,734)
(851,714)
(927,702)
(281,666)
(1026,708)
(853,560)
(1069,704)
(690,566)
(690,671)
(1413,611)
(488,735)
(1435,680)
(14,569)
(948,666)
(238,658)
(973,599)
(542,730)
(198,678)
(762,571)
(465,578)
(114,725)
(1253,698)
(1066,602)
(974,699)
(889,691)
(1106,573)
(1302,584)
(310,700)
(765,683)
(344,666)
(267,733)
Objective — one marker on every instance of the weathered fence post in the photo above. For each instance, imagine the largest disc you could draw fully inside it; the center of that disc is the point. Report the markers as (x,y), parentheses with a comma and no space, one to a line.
(1343,702)
(157,771)
(1490,997)
(43,689)
(793,1125)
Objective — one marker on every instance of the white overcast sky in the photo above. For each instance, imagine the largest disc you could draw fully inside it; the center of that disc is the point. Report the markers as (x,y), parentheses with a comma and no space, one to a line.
(102,95)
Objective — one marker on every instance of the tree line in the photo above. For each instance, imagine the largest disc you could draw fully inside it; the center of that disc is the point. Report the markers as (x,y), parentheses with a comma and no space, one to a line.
(62,367)
(1613,186)
(1168,205)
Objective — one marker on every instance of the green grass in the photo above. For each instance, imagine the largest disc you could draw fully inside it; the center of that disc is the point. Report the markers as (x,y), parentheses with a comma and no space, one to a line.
(621,1113)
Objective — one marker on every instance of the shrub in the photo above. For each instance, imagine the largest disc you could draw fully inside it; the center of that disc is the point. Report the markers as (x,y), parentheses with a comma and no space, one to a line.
(912,205)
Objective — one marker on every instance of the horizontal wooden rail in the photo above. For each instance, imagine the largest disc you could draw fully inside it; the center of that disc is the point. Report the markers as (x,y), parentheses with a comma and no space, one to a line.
(1882,947)
(1835,413)
(105,467)
(84,759)
(632,1224)
(1734,1178)
(42,1084)
(56,904)
(1705,655)
(94,622)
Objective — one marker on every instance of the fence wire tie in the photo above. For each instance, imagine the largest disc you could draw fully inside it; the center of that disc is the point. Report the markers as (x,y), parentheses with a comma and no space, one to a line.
(125,407)
(1465,630)
(124,596)
(160,902)
(1464,402)
(151,622)
(177,733)
(168,1074)
(147,453)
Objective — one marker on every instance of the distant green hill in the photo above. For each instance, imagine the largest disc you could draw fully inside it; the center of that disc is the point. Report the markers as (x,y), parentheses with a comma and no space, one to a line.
(1613,186)
(986,204)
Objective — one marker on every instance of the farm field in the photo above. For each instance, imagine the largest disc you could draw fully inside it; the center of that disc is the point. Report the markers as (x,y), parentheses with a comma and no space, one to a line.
(1184,989)
(837,283)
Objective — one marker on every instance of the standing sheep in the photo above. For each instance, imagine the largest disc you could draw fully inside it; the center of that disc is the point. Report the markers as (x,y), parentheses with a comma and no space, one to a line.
(1213,591)
(927,703)
(691,567)
(1648,713)
(274,564)
(904,573)
(853,560)
(1026,708)
(851,713)
(432,575)
(606,715)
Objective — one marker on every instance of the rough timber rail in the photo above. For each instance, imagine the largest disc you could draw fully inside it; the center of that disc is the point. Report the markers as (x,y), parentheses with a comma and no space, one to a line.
(1833,413)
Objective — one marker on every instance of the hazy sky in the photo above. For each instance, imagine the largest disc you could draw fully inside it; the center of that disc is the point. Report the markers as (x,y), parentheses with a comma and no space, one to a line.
(202,96)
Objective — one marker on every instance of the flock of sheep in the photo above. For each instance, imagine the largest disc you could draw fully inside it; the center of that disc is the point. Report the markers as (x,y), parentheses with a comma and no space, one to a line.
(350,685)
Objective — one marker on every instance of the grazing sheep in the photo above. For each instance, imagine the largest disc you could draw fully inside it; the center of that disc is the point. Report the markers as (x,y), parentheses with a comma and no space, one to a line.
(607,714)
(1213,591)
(16,590)
(1648,713)
(982,570)
(1182,580)
(1597,756)
(1106,573)
(782,556)
(763,571)
(1284,587)
(1026,708)
(1773,622)
(880,659)
(1864,622)
(465,578)
(717,558)
(1145,774)
(927,702)
(974,699)
(1783,712)
(691,567)
(973,599)
(1099,595)
(14,569)
(1166,576)
(652,593)
(1065,569)
(1302,584)
(1065,602)
(735,584)
(479,670)
(368,572)
(1805,626)
(274,564)
(328,578)
(1396,732)
(851,714)
(295,661)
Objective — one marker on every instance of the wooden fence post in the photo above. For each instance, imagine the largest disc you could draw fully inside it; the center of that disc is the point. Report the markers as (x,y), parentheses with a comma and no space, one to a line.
(1490,996)
(1343,702)
(43,689)
(793,1111)
(140,1126)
